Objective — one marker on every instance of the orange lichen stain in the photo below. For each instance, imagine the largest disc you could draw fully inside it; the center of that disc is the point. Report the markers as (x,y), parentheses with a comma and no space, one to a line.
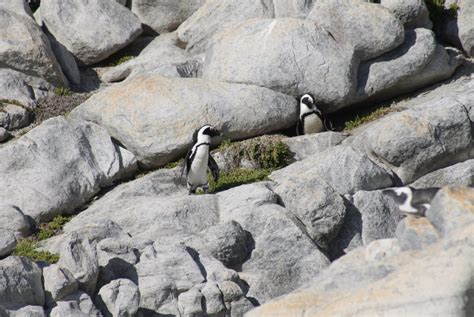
(419,224)
(464,196)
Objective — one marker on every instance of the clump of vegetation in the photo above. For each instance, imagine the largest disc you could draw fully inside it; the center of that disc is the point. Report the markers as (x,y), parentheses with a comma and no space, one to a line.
(360,120)
(236,177)
(121,60)
(174,164)
(27,247)
(62,91)
(10,102)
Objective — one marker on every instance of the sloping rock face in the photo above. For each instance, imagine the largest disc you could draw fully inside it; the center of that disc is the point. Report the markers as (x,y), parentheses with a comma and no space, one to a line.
(26,48)
(151,115)
(62,164)
(94,29)
(309,59)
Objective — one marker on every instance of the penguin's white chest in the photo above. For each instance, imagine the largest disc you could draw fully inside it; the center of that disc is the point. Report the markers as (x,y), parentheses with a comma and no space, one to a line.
(198,172)
(313,124)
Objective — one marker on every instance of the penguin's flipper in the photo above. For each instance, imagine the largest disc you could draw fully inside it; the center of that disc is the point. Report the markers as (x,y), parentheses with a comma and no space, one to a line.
(187,163)
(328,124)
(211,163)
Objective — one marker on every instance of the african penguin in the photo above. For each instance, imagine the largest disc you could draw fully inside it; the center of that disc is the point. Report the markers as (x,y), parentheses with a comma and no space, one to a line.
(199,159)
(311,118)
(412,201)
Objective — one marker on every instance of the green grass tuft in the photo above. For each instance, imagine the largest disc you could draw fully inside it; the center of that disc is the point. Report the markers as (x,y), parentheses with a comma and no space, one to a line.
(62,91)
(358,121)
(11,102)
(121,60)
(174,164)
(49,229)
(26,248)
(236,177)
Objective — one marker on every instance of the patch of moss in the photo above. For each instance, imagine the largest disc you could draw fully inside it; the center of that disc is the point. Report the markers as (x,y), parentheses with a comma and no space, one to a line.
(27,248)
(174,164)
(358,121)
(121,60)
(236,177)
(10,102)
(49,229)
(62,91)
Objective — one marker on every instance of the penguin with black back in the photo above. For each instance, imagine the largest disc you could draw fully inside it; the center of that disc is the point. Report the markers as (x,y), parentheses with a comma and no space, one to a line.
(412,201)
(199,159)
(311,119)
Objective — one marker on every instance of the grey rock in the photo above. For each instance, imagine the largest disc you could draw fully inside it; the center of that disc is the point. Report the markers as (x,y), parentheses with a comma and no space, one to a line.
(79,256)
(230,291)
(7,242)
(440,127)
(213,298)
(164,16)
(360,24)
(58,283)
(26,48)
(165,271)
(162,56)
(317,205)
(412,13)
(379,214)
(26,311)
(13,117)
(190,303)
(304,146)
(460,174)
(452,209)
(380,249)
(465,25)
(240,307)
(12,218)
(20,283)
(60,165)
(416,233)
(247,53)
(95,30)
(78,304)
(343,168)
(239,111)
(4,135)
(120,298)
(18,86)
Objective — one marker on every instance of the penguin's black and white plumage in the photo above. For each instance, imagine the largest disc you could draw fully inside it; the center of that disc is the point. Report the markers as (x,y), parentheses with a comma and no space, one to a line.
(412,201)
(311,118)
(199,159)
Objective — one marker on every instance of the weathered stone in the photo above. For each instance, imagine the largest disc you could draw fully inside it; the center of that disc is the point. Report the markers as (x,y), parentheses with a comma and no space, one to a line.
(441,128)
(190,302)
(13,117)
(26,89)
(248,53)
(58,283)
(379,214)
(119,298)
(461,174)
(213,298)
(164,16)
(12,218)
(4,135)
(230,291)
(383,248)
(77,304)
(26,48)
(306,145)
(156,137)
(416,233)
(359,23)
(343,168)
(60,165)
(26,311)
(465,25)
(94,29)
(451,209)
(314,203)
(412,13)
(7,242)
(20,283)
(80,258)
(240,307)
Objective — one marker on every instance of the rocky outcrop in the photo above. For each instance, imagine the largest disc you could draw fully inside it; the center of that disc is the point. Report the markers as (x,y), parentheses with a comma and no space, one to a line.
(160,122)
(94,30)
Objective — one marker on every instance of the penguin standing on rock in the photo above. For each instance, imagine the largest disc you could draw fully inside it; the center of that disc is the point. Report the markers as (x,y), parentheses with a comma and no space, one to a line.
(311,119)
(412,201)
(199,159)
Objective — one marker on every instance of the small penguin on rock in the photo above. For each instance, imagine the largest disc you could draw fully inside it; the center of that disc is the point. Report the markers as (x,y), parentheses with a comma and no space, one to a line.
(199,159)
(311,119)
(412,201)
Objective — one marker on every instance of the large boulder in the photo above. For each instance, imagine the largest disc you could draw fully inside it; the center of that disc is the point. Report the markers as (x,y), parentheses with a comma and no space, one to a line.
(441,128)
(412,13)
(20,283)
(25,89)
(164,15)
(94,29)
(465,26)
(60,165)
(26,48)
(155,117)
(58,283)
(304,146)
(309,59)
(370,28)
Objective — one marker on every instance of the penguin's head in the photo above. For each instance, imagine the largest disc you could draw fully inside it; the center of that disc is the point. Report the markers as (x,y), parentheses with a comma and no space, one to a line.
(205,132)
(400,194)
(307,104)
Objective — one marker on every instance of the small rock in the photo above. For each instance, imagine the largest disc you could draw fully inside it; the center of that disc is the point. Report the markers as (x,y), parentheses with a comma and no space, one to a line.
(119,298)
(12,218)
(465,26)
(7,242)
(26,89)
(416,233)
(380,249)
(4,135)
(190,302)
(13,117)
(213,298)
(77,304)
(26,311)
(230,291)
(58,283)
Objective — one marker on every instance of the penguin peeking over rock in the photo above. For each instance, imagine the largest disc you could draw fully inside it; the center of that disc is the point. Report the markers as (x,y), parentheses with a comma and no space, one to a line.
(311,120)
(412,201)
(199,159)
